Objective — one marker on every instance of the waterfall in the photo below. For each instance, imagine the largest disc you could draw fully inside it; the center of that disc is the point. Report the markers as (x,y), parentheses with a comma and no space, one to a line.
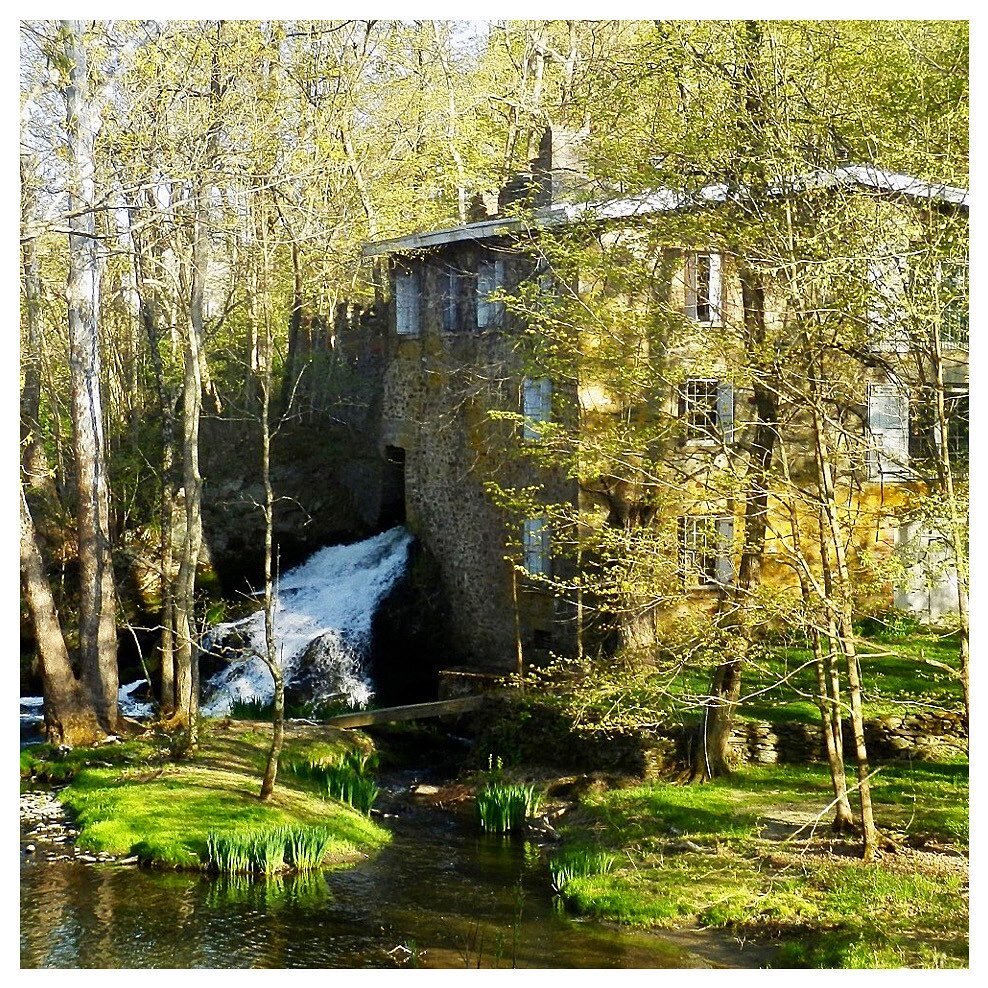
(322,623)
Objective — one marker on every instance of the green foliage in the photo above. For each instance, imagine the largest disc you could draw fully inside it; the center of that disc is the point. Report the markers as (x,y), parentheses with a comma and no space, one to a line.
(504,807)
(267,852)
(577,862)
(343,777)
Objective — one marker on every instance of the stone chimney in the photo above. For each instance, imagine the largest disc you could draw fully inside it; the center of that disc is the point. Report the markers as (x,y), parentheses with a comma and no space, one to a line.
(559,168)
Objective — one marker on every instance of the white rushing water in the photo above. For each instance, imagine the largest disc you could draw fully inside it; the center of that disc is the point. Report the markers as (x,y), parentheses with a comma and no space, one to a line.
(32,707)
(322,621)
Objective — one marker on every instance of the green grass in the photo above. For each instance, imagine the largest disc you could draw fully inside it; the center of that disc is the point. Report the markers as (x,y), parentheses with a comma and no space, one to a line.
(896,668)
(342,776)
(714,855)
(167,813)
(569,863)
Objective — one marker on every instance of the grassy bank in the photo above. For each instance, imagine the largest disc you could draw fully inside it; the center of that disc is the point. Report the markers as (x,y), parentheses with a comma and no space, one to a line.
(902,672)
(131,798)
(732,854)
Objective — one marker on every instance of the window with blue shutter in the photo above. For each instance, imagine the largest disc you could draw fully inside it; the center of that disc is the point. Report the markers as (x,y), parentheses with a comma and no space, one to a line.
(536,405)
(706,406)
(706,550)
(704,287)
(888,429)
(888,326)
(408,298)
(536,546)
(490,278)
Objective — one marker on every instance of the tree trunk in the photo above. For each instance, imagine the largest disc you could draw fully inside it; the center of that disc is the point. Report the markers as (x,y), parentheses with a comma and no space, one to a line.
(149,318)
(97,597)
(837,584)
(828,700)
(271,657)
(712,754)
(34,463)
(69,715)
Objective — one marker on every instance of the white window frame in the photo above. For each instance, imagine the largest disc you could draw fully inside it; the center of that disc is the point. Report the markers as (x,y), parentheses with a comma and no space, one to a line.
(888,432)
(707,297)
(953,292)
(717,407)
(536,405)
(408,301)
(490,278)
(536,545)
(705,550)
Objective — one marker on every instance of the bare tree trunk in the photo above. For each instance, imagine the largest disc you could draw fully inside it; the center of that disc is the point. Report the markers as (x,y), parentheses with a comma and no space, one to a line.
(69,714)
(149,318)
(97,597)
(957,527)
(712,756)
(34,463)
(838,603)
(270,650)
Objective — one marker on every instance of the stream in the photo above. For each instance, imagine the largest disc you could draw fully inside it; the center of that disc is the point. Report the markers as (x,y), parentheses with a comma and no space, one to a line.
(440,895)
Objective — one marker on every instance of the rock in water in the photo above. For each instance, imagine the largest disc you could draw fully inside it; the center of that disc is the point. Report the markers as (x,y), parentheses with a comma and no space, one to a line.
(323,616)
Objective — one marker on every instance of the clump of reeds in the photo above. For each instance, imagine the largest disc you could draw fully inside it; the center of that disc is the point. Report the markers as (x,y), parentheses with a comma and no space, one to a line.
(345,778)
(254,709)
(267,852)
(504,807)
(578,862)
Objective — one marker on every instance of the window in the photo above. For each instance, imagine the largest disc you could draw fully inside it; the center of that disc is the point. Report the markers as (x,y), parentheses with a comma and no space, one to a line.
(408,295)
(535,546)
(703,288)
(887,325)
(952,283)
(958,415)
(456,292)
(924,435)
(490,278)
(705,543)
(888,425)
(706,406)
(536,405)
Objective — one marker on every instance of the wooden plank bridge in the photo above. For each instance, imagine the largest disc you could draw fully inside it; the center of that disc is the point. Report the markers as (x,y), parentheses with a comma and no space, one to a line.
(412,711)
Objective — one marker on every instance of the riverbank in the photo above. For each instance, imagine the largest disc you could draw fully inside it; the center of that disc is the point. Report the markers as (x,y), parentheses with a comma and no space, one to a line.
(133,799)
(754,855)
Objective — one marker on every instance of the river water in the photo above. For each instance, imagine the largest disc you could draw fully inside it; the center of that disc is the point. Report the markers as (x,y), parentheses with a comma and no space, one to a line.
(440,895)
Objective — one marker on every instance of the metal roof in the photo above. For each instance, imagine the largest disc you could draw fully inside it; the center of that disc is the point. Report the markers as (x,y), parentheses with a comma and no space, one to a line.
(670,200)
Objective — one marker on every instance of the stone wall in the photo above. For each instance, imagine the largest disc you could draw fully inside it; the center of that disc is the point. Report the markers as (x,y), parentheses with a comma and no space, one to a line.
(917,736)
(438,389)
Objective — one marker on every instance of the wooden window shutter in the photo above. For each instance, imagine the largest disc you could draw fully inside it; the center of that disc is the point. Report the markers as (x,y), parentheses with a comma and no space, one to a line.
(888,424)
(407,301)
(725,411)
(725,547)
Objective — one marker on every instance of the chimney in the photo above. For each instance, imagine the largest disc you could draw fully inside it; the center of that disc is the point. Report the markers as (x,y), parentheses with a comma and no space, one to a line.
(560,167)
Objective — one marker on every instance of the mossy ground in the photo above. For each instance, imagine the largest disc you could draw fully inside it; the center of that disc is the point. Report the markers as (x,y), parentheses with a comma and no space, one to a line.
(130,798)
(728,854)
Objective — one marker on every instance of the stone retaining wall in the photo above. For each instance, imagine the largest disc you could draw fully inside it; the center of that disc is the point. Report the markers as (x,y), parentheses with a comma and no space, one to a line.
(918,736)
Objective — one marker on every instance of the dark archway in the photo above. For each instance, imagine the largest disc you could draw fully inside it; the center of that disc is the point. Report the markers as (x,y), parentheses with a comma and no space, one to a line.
(392,488)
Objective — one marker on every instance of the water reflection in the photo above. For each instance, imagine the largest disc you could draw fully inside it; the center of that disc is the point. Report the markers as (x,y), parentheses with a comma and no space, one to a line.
(438,896)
